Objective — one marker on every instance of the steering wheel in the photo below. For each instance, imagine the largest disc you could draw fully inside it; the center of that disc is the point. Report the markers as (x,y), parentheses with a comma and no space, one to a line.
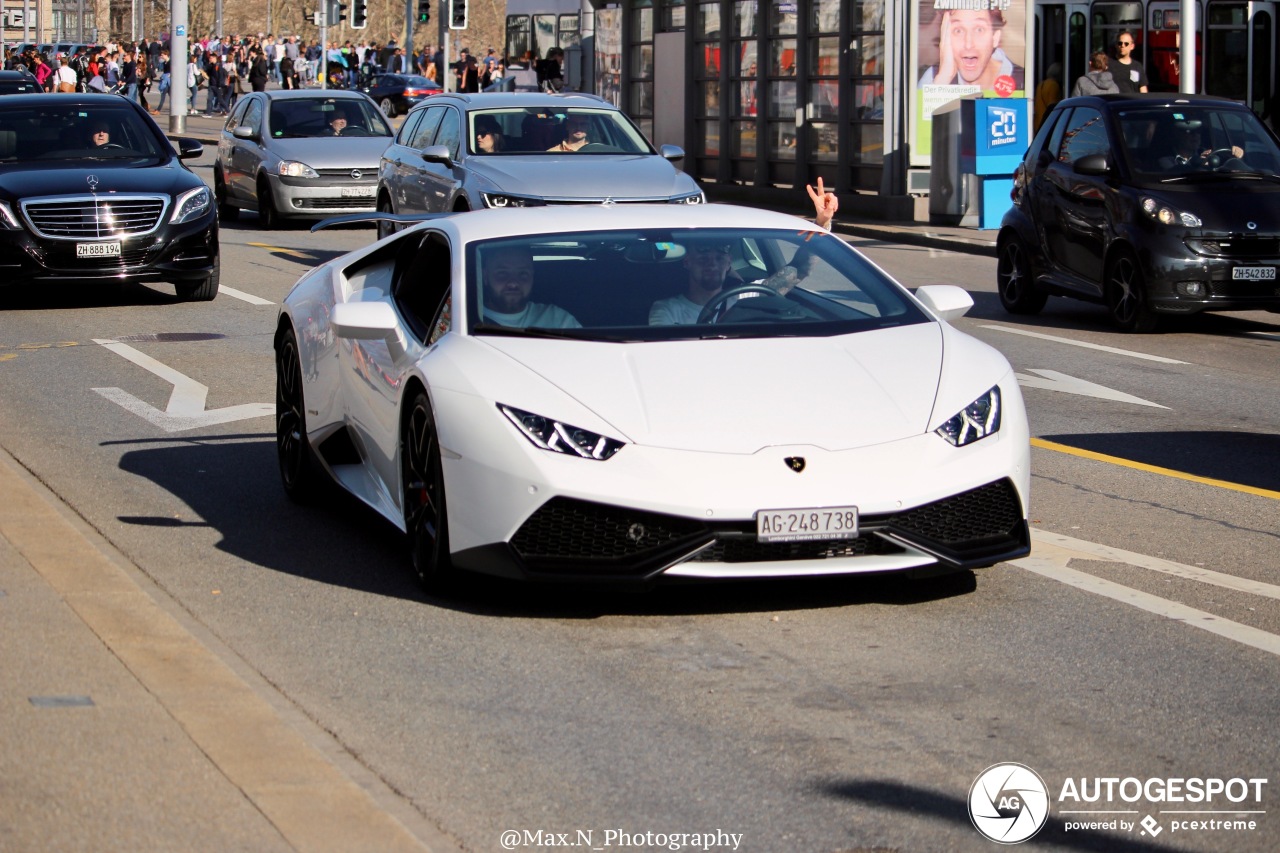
(112,145)
(712,308)
(1219,156)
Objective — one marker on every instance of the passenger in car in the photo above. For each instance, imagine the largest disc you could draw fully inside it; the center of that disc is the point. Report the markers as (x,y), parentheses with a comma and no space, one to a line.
(488,135)
(508,282)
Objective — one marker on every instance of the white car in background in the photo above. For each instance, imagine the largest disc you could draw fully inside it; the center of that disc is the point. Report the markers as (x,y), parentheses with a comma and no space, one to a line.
(843,426)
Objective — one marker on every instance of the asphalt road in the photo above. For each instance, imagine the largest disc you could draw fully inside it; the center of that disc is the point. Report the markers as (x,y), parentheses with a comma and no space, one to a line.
(1141,639)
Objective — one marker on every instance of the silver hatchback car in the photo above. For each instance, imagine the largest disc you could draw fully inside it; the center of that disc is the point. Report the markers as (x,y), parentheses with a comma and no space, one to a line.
(304,153)
(523,149)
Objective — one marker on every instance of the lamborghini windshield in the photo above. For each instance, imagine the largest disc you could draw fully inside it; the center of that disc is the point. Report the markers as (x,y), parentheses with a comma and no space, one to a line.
(665,284)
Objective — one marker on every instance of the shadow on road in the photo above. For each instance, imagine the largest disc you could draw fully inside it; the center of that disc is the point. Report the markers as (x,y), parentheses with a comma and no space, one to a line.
(231,483)
(1247,458)
(919,802)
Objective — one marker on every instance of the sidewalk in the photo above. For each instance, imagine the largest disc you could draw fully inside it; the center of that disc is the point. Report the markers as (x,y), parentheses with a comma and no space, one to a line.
(967,240)
(124,731)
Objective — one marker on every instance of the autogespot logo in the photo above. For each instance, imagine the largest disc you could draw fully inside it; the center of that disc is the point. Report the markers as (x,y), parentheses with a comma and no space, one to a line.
(1008,803)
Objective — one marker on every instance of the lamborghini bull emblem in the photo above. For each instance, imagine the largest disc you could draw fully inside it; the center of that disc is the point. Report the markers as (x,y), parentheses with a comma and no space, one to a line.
(795,463)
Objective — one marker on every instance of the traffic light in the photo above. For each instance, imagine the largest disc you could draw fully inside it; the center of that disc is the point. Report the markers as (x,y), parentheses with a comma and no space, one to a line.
(424,11)
(457,14)
(359,14)
(337,13)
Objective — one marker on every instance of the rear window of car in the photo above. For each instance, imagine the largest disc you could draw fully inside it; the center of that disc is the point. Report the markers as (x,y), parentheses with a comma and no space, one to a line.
(634,285)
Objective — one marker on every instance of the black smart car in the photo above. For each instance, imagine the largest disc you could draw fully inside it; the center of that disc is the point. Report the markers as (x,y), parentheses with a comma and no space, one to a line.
(1150,204)
(92,190)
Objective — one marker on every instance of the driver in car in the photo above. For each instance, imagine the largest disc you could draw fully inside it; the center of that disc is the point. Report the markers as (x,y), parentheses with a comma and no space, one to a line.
(508,281)
(99,135)
(575,134)
(337,124)
(708,264)
(1186,149)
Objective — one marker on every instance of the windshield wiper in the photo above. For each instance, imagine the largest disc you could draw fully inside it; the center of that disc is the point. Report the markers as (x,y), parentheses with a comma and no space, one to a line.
(1199,176)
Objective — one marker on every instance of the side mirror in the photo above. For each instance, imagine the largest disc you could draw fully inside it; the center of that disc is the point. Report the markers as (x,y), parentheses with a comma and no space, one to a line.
(671,152)
(437,154)
(947,301)
(364,321)
(189,148)
(244,131)
(1092,164)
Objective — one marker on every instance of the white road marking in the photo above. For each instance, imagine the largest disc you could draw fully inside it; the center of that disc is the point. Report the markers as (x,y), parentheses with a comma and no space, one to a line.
(1050,559)
(247,297)
(1085,344)
(186,404)
(1052,380)
(1097,551)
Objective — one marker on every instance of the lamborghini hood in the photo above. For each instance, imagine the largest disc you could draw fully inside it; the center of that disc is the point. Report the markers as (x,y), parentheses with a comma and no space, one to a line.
(738,396)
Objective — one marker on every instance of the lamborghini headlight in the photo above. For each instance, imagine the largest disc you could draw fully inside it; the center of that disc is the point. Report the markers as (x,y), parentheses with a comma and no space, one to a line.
(294,169)
(191,204)
(560,437)
(977,420)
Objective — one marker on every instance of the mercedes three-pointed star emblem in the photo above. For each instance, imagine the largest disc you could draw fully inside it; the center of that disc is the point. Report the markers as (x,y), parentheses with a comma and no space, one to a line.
(93,183)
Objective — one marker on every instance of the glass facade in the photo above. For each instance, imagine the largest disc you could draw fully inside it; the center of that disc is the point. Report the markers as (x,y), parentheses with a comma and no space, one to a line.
(782,92)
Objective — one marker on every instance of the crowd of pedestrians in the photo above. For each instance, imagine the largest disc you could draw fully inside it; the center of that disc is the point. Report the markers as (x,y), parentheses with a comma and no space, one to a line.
(225,67)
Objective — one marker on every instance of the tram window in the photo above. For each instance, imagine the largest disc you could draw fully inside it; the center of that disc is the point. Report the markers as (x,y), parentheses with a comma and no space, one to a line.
(568,35)
(517,36)
(1226,51)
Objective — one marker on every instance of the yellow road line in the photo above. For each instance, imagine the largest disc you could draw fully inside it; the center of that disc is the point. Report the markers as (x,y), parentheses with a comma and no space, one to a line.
(1154,469)
(294,252)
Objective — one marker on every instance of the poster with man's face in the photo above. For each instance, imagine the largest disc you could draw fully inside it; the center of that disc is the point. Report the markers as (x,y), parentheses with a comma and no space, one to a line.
(965,47)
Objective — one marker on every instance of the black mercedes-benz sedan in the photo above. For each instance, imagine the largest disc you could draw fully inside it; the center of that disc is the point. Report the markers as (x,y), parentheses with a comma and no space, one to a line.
(92,190)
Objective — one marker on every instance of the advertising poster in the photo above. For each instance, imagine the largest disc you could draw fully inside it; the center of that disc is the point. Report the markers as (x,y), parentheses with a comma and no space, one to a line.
(964,47)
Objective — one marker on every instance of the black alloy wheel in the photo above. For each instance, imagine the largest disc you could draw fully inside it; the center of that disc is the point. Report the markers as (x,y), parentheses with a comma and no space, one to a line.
(385,228)
(297,465)
(1127,295)
(422,477)
(202,291)
(268,215)
(1016,281)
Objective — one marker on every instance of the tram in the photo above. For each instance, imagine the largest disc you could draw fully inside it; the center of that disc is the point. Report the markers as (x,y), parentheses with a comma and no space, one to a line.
(536,26)
(1236,45)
